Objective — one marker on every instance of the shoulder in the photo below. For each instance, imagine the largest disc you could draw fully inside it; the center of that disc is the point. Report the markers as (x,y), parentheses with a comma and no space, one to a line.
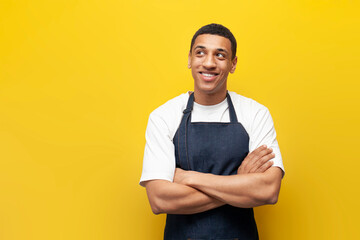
(168,115)
(251,114)
(246,105)
(171,107)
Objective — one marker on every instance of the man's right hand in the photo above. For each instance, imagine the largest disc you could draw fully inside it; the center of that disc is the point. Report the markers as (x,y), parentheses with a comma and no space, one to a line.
(257,161)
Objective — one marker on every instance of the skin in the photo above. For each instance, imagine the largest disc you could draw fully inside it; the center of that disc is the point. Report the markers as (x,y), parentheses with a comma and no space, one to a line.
(211,54)
(257,183)
(244,191)
(179,197)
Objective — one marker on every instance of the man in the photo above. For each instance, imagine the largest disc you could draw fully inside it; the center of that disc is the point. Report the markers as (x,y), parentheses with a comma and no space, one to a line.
(197,167)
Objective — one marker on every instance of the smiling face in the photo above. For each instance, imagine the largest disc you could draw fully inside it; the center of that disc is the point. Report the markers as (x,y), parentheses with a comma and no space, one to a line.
(211,62)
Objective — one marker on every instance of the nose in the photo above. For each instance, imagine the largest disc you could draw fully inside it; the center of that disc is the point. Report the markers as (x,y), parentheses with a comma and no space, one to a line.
(209,62)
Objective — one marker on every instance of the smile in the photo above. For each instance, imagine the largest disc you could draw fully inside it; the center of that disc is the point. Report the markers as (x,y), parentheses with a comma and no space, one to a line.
(208,77)
(209,74)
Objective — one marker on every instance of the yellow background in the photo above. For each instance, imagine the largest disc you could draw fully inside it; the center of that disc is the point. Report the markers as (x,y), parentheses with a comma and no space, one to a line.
(78,80)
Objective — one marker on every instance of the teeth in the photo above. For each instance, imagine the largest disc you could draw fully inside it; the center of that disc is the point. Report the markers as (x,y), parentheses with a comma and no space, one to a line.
(208,74)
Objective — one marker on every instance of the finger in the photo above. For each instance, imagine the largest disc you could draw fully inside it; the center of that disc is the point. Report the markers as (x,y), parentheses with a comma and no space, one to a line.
(178,170)
(262,157)
(264,152)
(259,153)
(250,163)
(265,167)
(244,164)
(254,156)
(262,161)
(265,159)
(258,150)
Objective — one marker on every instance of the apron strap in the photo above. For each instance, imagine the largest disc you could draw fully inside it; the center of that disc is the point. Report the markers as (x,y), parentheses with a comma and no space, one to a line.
(182,136)
(233,118)
(190,104)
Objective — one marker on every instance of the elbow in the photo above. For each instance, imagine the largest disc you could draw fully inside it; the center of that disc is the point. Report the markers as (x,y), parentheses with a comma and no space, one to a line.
(266,199)
(273,199)
(155,205)
(160,205)
(272,190)
(155,210)
(154,197)
(272,195)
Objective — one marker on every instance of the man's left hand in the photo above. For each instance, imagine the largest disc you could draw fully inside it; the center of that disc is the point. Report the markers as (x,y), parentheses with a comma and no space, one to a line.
(181,176)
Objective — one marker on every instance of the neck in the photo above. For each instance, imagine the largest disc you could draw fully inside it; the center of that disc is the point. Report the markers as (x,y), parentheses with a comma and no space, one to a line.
(209,98)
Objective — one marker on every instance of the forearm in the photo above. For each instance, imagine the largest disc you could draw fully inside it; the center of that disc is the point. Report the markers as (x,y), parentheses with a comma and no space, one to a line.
(242,190)
(174,198)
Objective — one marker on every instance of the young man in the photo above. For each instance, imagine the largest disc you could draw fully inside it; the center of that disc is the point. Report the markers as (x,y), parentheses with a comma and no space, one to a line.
(197,166)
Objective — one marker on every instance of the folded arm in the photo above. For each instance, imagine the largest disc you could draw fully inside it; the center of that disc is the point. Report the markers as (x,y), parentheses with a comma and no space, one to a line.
(242,190)
(179,197)
(174,198)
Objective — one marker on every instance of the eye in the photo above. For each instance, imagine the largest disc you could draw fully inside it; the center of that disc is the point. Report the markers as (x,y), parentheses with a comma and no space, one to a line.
(220,55)
(200,53)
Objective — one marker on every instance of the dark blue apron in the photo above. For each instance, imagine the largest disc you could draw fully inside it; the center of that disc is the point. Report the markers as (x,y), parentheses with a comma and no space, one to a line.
(218,148)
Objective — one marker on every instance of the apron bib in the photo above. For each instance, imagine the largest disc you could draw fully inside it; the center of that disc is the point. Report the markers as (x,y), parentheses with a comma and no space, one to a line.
(217,148)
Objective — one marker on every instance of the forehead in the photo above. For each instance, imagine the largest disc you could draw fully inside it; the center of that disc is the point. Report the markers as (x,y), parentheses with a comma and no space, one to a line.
(211,41)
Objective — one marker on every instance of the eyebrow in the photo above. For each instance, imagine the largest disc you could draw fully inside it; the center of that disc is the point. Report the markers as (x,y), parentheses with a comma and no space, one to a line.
(219,49)
(202,47)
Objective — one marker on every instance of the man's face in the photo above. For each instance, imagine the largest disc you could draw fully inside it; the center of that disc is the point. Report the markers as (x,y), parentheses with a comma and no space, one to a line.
(210,63)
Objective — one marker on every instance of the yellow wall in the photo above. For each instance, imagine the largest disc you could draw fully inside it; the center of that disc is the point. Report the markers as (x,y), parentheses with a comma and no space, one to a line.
(78,80)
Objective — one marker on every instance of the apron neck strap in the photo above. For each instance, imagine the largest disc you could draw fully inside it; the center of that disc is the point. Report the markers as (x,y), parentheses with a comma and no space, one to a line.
(190,104)
(233,118)
(232,113)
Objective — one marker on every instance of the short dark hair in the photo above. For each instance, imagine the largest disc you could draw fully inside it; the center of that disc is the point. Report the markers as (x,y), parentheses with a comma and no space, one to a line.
(216,29)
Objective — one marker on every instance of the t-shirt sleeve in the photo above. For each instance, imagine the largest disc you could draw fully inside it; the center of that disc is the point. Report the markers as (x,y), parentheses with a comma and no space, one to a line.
(159,157)
(263,132)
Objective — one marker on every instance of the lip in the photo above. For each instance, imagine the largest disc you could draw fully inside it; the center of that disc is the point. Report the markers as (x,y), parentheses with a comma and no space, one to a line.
(208,78)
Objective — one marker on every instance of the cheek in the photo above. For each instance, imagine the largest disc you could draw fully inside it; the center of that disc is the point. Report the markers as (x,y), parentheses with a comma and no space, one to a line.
(226,69)
(193,73)
(196,61)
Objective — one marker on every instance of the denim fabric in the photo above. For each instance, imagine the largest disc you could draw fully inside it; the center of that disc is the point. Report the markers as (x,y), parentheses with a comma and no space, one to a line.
(217,148)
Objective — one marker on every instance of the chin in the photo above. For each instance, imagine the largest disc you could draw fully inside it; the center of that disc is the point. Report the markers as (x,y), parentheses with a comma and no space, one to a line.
(209,89)
(205,89)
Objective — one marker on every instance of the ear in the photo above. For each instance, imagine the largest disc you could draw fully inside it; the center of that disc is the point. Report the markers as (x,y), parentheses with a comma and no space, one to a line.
(233,65)
(189,60)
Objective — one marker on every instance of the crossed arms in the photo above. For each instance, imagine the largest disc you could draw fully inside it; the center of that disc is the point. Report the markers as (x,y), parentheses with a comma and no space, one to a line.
(255,184)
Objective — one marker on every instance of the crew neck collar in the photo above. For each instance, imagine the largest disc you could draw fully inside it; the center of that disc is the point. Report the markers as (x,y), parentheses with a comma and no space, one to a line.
(211,106)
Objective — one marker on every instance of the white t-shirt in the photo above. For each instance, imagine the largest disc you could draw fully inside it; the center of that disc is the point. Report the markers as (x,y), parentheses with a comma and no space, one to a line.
(159,156)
